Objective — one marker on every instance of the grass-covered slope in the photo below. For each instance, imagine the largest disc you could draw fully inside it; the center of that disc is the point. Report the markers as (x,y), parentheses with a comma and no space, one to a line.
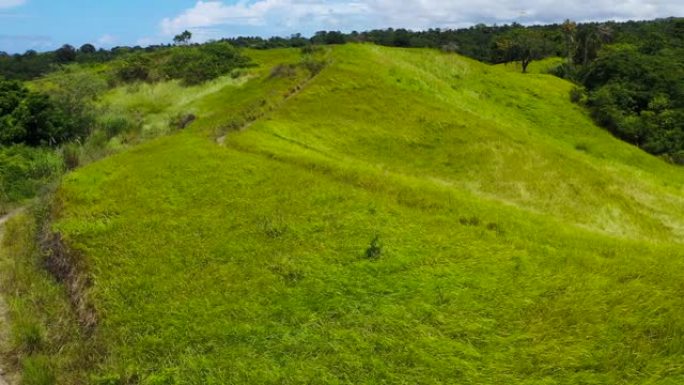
(407,217)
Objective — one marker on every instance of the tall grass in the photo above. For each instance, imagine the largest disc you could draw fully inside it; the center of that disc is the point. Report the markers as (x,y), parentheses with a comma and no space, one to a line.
(407,217)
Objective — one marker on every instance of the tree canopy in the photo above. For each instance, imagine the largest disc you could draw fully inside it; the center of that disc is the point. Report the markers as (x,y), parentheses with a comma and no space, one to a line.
(183,38)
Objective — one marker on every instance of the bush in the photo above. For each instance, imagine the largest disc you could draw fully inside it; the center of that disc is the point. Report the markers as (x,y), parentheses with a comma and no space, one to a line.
(314,66)
(115,125)
(678,158)
(71,153)
(565,71)
(195,65)
(37,371)
(181,121)
(135,68)
(577,95)
(283,71)
(190,64)
(23,170)
(311,49)
(374,250)
(28,336)
(450,48)
(472,221)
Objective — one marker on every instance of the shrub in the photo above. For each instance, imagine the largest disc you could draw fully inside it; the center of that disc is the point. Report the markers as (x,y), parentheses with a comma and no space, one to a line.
(71,153)
(582,147)
(311,49)
(472,221)
(577,95)
(28,336)
(374,250)
(115,125)
(314,66)
(23,170)
(135,68)
(495,228)
(195,65)
(564,70)
(450,48)
(37,371)
(678,158)
(274,228)
(283,71)
(181,121)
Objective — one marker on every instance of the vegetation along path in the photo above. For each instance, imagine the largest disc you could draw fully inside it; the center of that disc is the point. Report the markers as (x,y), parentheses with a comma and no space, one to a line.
(5,378)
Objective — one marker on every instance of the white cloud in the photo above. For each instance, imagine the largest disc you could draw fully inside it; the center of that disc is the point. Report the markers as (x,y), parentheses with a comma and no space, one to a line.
(107,40)
(276,14)
(208,18)
(11,3)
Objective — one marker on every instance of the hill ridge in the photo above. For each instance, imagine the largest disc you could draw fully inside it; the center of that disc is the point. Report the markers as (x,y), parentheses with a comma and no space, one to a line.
(372,230)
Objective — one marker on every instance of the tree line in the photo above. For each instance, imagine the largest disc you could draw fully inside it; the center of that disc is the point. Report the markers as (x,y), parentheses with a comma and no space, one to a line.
(630,74)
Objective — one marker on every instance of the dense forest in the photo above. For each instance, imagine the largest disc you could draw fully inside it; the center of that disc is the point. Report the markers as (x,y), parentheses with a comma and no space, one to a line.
(629,75)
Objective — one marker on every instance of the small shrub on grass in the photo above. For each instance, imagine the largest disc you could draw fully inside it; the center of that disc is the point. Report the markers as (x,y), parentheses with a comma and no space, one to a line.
(450,48)
(274,228)
(283,71)
(494,227)
(237,73)
(135,68)
(314,66)
(181,121)
(311,49)
(374,250)
(36,370)
(23,170)
(108,379)
(678,158)
(577,95)
(472,221)
(115,125)
(72,155)
(582,147)
(28,336)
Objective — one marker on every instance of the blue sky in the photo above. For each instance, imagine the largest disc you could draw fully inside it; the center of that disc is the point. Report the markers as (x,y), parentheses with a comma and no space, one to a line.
(47,24)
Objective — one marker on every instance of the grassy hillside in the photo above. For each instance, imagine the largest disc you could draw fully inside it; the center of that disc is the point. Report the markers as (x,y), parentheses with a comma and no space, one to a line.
(406,216)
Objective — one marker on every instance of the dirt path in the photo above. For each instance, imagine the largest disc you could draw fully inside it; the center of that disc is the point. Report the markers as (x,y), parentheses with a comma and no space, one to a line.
(6,377)
(294,92)
(9,216)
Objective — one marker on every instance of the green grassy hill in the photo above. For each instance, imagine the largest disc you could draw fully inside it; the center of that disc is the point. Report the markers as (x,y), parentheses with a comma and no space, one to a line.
(406,216)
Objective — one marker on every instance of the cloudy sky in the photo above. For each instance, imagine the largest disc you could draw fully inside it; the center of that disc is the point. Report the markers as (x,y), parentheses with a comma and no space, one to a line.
(47,24)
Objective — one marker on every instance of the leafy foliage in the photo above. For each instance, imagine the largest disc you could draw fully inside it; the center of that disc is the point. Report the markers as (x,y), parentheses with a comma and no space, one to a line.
(192,64)
(29,117)
(522,45)
(63,113)
(636,90)
(24,171)
(183,38)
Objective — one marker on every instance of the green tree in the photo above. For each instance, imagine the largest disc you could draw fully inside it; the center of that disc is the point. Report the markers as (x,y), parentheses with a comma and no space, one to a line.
(183,38)
(66,54)
(87,49)
(569,29)
(522,45)
(590,39)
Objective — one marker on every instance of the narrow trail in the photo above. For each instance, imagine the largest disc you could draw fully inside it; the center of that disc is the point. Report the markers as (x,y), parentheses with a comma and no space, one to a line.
(6,377)
(9,216)
(296,90)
